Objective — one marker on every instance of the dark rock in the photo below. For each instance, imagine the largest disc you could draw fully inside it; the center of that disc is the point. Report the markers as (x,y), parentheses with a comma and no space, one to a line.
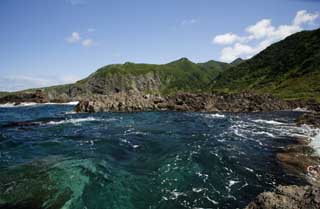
(312,119)
(288,197)
(37,97)
(241,102)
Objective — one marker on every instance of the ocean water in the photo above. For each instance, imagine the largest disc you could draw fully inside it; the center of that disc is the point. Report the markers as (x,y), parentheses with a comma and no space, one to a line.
(53,158)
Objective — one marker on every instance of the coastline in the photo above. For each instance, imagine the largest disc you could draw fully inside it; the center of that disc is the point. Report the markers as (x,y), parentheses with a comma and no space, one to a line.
(301,159)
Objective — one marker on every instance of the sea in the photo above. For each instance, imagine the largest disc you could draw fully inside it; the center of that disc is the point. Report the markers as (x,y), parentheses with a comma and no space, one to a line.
(52,158)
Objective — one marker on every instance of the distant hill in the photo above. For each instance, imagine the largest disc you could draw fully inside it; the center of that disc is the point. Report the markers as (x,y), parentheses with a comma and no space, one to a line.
(179,75)
(237,61)
(3,93)
(289,69)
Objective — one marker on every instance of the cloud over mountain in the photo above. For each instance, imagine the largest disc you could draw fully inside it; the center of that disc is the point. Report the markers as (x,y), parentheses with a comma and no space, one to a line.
(261,35)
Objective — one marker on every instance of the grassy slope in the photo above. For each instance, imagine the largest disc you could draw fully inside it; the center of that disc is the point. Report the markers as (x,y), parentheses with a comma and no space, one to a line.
(180,75)
(289,69)
(2,93)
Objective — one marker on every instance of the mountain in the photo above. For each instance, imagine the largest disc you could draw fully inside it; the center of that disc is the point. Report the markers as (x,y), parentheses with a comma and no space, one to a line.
(237,61)
(179,75)
(289,69)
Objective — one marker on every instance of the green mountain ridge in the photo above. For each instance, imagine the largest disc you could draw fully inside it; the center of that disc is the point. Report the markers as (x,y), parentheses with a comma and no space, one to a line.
(180,75)
(289,69)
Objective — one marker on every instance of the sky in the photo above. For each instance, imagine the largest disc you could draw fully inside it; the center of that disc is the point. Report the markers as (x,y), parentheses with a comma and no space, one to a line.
(50,42)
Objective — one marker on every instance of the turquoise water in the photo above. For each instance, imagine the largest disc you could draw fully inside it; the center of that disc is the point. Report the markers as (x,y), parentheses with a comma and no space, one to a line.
(58,159)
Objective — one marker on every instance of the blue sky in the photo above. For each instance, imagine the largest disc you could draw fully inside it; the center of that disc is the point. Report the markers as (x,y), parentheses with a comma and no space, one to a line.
(47,42)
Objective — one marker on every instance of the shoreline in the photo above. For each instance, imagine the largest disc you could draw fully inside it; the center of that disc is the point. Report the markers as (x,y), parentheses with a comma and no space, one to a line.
(301,159)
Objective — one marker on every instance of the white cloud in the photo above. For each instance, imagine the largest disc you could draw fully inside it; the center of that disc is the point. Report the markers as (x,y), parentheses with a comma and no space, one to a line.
(228,38)
(189,22)
(303,17)
(74,37)
(261,29)
(87,42)
(261,35)
(232,53)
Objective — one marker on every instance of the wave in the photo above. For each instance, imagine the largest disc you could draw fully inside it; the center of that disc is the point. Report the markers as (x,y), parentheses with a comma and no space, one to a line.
(24,104)
(216,115)
(315,143)
(66,103)
(268,122)
(74,120)
(299,109)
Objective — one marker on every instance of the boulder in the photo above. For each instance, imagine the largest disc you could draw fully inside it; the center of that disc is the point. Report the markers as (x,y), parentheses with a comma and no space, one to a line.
(288,197)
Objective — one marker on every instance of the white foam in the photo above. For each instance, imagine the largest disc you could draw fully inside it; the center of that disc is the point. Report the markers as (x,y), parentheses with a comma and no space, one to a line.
(315,142)
(265,133)
(232,182)
(268,122)
(66,103)
(74,120)
(24,104)
(299,109)
(216,115)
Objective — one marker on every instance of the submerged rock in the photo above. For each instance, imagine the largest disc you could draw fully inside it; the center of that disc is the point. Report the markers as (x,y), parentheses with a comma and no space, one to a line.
(285,197)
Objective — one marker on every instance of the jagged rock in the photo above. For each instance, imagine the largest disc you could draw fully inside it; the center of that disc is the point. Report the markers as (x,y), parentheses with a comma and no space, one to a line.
(288,197)
(312,119)
(190,102)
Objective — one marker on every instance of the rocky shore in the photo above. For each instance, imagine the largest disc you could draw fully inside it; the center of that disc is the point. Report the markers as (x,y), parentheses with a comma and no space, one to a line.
(298,159)
(288,197)
(188,102)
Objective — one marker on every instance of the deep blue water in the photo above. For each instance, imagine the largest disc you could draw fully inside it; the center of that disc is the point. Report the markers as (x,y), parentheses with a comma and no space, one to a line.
(139,160)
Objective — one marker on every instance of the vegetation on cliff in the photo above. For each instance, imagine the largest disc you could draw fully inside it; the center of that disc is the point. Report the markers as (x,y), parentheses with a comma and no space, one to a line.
(289,69)
(179,75)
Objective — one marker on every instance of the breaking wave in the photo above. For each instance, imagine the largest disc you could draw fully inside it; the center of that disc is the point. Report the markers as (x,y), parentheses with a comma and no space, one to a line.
(25,104)
(74,120)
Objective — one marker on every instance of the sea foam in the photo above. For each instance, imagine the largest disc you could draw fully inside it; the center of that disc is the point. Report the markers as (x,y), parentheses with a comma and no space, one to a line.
(74,120)
(268,122)
(24,104)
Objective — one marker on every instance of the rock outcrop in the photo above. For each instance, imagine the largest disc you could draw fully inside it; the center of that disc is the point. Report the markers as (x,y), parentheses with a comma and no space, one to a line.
(297,159)
(288,197)
(36,97)
(311,118)
(187,102)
